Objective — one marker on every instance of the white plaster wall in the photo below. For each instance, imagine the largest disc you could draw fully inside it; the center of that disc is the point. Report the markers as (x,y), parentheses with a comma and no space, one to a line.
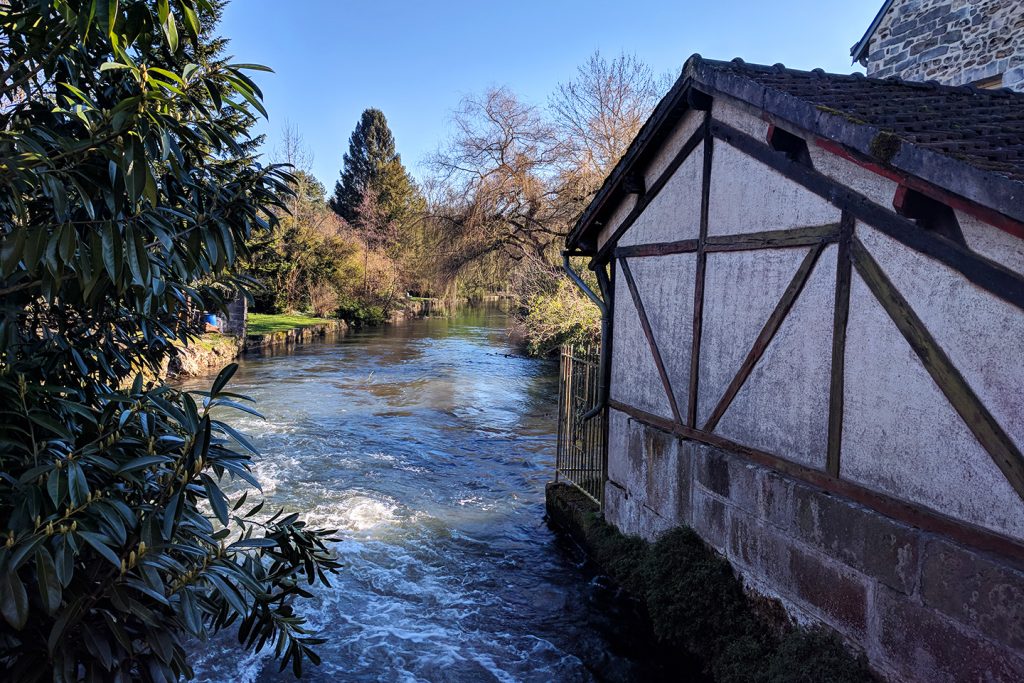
(741,289)
(737,116)
(783,406)
(674,213)
(991,242)
(982,334)
(634,377)
(875,187)
(902,437)
(665,284)
(620,213)
(747,196)
(682,132)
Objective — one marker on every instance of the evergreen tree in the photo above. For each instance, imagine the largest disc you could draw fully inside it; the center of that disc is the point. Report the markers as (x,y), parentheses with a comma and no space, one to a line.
(122,207)
(372,163)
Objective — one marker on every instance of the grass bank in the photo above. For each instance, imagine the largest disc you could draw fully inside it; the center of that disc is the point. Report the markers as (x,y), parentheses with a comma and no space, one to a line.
(266,323)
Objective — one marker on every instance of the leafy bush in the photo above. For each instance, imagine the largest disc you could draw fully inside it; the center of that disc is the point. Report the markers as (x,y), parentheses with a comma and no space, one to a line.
(126,201)
(555,313)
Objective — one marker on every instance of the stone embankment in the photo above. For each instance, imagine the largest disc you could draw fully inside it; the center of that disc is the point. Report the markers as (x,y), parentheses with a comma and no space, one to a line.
(211,352)
(295,337)
(697,610)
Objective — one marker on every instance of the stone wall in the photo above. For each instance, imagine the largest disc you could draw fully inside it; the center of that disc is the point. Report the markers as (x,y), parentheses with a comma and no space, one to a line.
(955,42)
(287,339)
(922,607)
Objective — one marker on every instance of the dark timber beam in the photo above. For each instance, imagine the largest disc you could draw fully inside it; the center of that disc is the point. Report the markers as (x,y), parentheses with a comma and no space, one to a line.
(989,275)
(701,269)
(627,275)
(841,316)
(948,378)
(657,249)
(773,239)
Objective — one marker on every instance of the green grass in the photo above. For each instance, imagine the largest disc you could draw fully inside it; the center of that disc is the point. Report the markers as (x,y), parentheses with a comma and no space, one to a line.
(264,323)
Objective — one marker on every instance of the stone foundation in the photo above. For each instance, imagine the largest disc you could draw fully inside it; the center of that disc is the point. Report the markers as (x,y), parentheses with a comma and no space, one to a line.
(922,607)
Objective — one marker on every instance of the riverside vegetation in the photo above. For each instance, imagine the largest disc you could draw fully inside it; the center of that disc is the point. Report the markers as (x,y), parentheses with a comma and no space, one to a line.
(134,196)
(491,216)
(130,197)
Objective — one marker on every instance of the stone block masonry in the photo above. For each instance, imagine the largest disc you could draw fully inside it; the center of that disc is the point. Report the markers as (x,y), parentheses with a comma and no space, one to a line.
(922,607)
(954,42)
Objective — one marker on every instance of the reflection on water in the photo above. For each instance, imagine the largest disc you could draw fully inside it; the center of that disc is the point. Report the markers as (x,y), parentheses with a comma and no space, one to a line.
(428,445)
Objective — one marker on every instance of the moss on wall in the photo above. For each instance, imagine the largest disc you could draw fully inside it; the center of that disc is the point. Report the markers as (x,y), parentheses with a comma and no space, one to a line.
(695,603)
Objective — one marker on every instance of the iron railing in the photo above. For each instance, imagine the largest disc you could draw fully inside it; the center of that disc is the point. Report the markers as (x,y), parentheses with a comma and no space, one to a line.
(580,457)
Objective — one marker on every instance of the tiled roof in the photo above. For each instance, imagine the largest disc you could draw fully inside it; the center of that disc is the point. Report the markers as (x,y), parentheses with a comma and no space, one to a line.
(984,128)
(965,140)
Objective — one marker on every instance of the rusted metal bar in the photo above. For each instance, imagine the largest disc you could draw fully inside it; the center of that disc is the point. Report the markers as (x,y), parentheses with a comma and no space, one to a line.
(580,459)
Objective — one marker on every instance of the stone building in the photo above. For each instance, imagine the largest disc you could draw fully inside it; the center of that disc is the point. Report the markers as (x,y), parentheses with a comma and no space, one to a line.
(814,287)
(954,42)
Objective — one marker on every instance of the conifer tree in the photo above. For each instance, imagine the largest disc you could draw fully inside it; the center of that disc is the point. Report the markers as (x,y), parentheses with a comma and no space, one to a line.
(372,163)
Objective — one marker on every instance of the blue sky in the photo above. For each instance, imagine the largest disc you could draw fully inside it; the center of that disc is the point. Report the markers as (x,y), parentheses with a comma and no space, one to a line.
(416,60)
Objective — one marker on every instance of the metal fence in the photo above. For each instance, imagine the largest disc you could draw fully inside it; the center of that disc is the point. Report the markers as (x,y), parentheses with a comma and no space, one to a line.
(580,456)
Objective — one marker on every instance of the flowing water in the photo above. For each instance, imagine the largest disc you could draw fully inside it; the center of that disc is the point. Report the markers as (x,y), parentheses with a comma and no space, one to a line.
(428,446)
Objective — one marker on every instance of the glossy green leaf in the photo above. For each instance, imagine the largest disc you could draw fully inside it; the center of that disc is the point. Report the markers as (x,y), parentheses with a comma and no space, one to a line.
(99,544)
(13,600)
(49,585)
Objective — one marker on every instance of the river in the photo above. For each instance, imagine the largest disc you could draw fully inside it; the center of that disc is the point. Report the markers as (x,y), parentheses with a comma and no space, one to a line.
(428,446)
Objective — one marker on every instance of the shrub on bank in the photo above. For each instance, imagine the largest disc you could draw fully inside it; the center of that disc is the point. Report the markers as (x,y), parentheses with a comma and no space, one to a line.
(360,314)
(563,315)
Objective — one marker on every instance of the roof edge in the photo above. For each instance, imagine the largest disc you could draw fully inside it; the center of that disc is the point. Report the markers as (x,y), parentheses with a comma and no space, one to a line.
(714,78)
(859,51)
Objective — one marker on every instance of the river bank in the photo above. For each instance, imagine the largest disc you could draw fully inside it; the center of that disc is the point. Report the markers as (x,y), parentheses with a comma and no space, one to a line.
(270,334)
(213,351)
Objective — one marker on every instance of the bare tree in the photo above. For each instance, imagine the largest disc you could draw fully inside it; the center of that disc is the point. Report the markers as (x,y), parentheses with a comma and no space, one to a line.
(597,115)
(499,182)
(293,149)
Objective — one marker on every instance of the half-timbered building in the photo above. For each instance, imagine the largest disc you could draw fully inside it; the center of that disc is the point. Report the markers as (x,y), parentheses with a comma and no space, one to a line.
(814,351)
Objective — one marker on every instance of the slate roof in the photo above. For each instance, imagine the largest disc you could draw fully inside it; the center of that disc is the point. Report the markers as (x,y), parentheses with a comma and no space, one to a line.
(965,140)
